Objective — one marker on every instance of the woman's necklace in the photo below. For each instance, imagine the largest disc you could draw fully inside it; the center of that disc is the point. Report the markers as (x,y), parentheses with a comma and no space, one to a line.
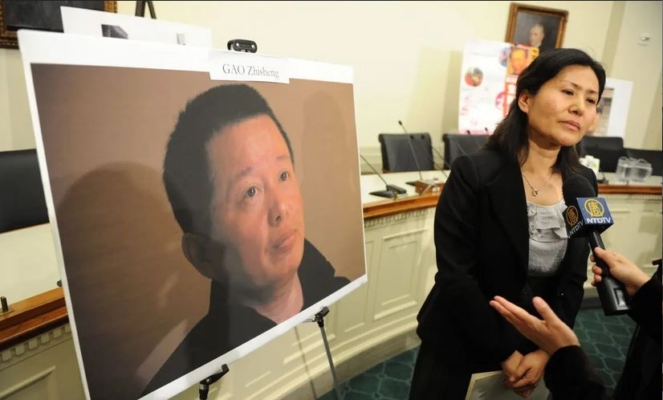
(535,192)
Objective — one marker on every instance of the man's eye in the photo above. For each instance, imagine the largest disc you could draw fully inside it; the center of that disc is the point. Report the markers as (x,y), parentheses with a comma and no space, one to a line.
(285,175)
(251,192)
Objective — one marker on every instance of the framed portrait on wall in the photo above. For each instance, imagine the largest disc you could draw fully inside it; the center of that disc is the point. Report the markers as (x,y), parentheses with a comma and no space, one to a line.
(39,15)
(538,27)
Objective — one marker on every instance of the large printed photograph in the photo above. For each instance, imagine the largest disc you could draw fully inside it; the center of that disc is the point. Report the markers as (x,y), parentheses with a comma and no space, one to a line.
(194,215)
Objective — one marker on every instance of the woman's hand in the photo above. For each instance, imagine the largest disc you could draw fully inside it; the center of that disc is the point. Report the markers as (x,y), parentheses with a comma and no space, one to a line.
(530,370)
(510,366)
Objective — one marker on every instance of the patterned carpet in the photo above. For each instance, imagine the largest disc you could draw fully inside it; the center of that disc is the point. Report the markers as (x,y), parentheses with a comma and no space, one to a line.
(605,339)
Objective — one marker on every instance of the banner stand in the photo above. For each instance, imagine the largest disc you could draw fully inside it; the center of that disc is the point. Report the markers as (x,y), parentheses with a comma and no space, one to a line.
(320,319)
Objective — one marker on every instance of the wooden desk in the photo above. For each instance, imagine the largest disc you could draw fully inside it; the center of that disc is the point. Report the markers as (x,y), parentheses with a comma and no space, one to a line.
(376,321)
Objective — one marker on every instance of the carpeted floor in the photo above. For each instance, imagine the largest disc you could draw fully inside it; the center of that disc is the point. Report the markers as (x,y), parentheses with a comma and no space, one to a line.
(605,339)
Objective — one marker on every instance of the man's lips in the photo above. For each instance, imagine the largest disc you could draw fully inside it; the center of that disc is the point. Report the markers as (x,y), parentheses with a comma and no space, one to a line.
(285,241)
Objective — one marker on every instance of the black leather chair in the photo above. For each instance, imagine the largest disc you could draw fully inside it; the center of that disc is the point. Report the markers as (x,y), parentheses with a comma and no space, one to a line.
(607,149)
(654,157)
(22,202)
(457,144)
(397,152)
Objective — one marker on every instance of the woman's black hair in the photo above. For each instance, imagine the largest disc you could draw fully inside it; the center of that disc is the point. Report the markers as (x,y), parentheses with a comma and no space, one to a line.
(510,136)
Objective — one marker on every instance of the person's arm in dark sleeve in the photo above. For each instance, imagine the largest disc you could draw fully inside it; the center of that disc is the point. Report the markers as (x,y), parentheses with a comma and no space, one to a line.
(571,291)
(456,237)
(569,375)
(646,308)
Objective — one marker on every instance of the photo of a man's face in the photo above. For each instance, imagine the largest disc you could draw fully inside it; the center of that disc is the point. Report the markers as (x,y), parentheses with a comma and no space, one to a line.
(257,209)
(203,200)
(518,61)
(536,35)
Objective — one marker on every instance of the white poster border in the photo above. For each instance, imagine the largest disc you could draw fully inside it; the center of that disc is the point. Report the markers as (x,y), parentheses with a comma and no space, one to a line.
(66,49)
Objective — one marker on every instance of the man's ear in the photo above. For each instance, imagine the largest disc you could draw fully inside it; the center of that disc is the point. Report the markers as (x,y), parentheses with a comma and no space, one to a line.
(524,101)
(198,250)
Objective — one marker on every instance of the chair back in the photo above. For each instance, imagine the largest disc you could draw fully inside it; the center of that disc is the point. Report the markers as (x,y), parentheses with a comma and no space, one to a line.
(22,202)
(607,149)
(458,144)
(397,152)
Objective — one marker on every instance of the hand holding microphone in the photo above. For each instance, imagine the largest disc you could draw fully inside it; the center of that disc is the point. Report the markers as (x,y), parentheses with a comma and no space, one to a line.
(620,268)
(588,216)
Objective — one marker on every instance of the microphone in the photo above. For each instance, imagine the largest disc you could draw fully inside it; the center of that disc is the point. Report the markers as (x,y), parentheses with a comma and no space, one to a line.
(392,190)
(444,163)
(430,157)
(475,139)
(414,156)
(587,216)
(603,180)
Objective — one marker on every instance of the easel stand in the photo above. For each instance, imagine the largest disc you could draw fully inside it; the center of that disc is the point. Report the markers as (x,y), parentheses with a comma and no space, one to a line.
(140,8)
(241,45)
(320,319)
(203,391)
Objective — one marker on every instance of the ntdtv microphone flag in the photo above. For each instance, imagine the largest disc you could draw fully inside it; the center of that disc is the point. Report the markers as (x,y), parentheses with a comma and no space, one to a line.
(588,217)
(587,213)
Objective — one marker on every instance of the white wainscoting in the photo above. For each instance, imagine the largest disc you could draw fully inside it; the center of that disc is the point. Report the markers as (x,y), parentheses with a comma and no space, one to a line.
(42,368)
(636,232)
(372,324)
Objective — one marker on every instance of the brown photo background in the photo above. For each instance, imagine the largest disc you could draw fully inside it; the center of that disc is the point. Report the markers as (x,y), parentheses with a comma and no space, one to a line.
(134,295)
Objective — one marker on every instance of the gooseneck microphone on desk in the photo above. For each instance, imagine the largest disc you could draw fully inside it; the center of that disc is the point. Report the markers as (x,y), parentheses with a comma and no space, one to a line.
(414,156)
(430,156)
(392,190)
(603,180)
(444,163)
(587,216)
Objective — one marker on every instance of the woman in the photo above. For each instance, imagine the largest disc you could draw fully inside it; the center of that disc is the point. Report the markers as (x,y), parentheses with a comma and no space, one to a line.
(499,231)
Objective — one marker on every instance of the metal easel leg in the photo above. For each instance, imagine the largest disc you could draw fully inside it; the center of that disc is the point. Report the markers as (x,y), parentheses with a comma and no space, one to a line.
(320,319)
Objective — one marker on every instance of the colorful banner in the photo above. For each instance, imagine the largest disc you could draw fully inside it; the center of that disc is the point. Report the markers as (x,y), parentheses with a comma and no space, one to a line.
(488,83)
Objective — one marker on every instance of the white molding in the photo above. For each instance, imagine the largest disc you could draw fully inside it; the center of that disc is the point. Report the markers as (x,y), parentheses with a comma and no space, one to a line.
(34,346)
(390,219)
(32,380)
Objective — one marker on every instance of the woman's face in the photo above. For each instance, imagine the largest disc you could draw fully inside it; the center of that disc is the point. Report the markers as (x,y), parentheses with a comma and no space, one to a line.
(564,109)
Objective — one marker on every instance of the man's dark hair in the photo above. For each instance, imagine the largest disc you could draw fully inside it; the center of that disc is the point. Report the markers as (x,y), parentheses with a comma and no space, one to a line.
(510,136)
(186,173)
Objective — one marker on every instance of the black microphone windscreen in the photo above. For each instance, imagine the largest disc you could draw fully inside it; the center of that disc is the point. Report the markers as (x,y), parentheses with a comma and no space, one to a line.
(576,186)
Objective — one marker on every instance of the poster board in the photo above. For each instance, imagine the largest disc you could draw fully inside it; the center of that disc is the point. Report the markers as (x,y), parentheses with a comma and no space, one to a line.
(488,78)
(104,112)
(613,108)
(79,21)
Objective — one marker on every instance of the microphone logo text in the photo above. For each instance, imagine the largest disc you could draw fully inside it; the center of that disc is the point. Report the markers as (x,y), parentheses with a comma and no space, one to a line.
(571,215)
(594,208)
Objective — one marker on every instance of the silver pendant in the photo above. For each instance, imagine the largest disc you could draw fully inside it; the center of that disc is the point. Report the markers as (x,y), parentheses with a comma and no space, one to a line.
(535,192)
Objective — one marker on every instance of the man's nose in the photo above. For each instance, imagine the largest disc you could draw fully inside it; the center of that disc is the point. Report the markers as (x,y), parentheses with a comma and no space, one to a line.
(278,208)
